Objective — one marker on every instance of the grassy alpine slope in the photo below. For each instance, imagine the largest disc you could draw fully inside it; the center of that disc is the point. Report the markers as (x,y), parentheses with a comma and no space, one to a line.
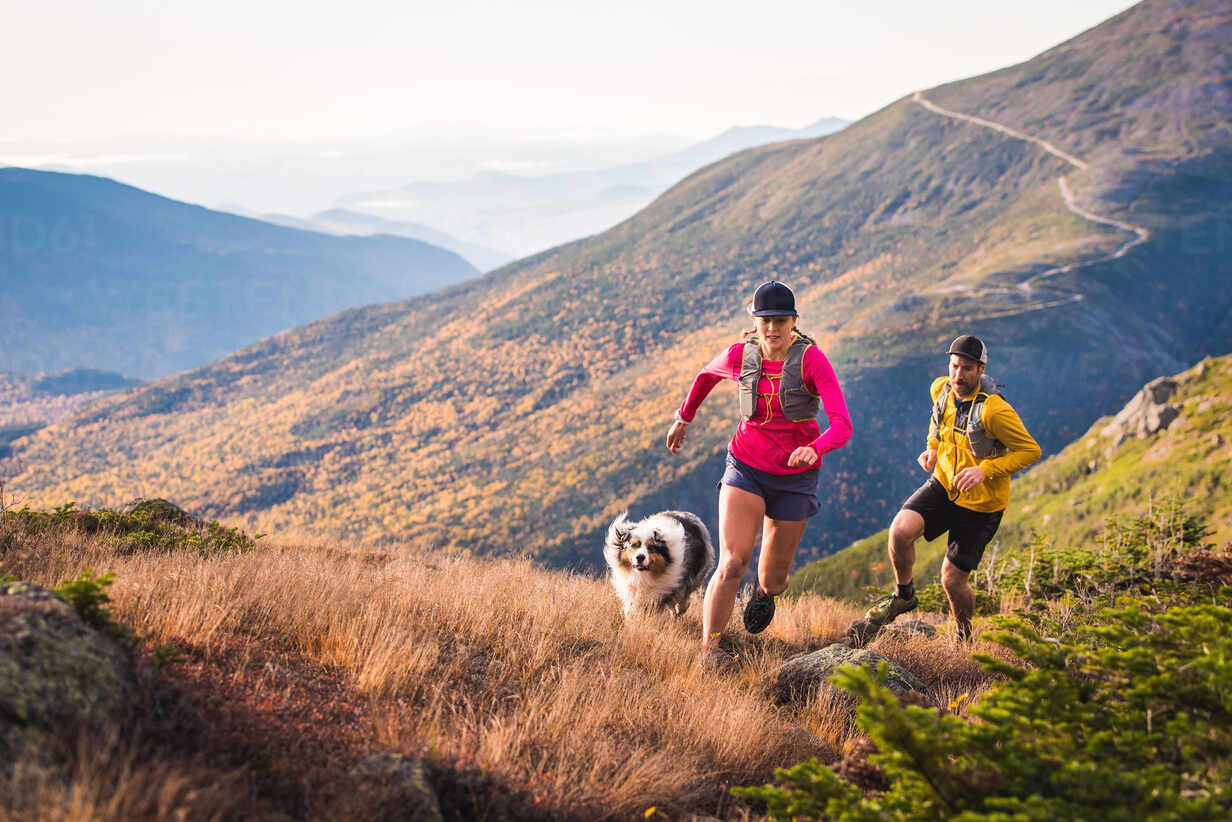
(520,412)
(271,670)
(1066,501)
(279,667)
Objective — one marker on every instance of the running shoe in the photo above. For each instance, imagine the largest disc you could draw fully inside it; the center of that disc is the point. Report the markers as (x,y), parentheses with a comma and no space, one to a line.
(886,610)
(758,611)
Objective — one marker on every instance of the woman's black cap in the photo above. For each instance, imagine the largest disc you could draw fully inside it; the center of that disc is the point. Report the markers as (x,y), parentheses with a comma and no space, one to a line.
(773,299)
(972,348)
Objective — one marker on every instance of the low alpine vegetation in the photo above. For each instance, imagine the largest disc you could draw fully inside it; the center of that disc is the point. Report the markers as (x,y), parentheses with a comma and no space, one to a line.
(142,525)
(1160,555)
(1114,704)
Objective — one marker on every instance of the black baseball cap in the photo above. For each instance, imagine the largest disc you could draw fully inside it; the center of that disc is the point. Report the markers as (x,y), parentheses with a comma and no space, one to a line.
(773,299)
(972,348)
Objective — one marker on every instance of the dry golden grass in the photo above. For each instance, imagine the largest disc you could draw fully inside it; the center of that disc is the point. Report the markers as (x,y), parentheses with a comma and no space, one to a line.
(509,669)
(108,783)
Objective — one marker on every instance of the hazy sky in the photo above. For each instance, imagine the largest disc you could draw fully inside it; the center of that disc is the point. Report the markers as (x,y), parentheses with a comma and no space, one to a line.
(81,69)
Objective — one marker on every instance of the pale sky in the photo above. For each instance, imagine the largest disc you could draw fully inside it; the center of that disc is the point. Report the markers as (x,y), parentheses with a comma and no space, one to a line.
(288,71)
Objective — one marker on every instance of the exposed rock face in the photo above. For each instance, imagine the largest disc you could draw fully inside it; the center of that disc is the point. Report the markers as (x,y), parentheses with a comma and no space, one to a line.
(862,632)
(395,787)
(1146,414)
(799,677)
(58,677)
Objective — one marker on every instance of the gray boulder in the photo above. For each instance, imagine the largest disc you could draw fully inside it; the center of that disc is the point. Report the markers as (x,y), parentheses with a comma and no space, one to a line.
(393,786)
(798,678)
(58,676)
(861,632)
(1146,414)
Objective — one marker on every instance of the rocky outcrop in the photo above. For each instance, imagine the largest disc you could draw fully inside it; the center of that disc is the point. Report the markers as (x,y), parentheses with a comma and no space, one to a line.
(1146,414)
(862,632)
(798,678)
(58,677)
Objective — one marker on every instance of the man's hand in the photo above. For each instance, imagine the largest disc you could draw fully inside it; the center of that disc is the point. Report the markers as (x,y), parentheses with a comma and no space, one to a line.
(968,478)
(675,436)
(927,459)
(804,455)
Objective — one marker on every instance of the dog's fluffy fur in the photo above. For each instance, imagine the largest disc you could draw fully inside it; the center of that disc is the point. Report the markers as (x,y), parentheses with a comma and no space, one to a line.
(657,563)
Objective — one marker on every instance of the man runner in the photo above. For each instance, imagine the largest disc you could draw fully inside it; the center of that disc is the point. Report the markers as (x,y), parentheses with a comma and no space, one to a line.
(972,456)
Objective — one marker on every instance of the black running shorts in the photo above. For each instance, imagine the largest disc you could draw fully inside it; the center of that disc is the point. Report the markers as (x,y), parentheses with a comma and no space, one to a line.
(970,531)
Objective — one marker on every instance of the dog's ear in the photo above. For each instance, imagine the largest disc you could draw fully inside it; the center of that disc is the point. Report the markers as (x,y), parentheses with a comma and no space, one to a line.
(619,530)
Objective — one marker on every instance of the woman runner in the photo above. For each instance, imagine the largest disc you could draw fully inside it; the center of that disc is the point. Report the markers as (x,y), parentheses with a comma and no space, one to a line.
(773,460)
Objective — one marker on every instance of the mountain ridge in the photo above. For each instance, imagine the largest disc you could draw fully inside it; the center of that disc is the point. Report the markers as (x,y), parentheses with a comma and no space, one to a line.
(522,213)
(101,274)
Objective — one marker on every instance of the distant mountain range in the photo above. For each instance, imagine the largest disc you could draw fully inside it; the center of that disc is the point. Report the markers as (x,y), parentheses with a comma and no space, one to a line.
(103,275)
(1075,211)
(522,214)
(342,222)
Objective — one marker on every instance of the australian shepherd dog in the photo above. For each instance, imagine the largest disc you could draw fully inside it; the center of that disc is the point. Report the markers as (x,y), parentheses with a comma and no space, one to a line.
(657,563)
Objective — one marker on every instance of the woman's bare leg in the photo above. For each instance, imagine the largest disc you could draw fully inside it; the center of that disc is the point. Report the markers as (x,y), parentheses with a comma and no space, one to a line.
(740,516)
(779,540)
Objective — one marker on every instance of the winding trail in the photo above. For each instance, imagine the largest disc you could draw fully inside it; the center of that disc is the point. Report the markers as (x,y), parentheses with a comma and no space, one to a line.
(1141,235)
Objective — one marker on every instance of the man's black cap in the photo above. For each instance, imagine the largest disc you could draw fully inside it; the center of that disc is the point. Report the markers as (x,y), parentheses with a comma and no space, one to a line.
(773,299)
(970,347)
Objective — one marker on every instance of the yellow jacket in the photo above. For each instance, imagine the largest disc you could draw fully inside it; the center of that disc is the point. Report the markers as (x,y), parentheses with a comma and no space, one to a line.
(954,452)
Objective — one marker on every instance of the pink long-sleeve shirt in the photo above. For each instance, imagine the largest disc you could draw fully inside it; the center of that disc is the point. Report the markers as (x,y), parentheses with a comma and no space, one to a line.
(768,439)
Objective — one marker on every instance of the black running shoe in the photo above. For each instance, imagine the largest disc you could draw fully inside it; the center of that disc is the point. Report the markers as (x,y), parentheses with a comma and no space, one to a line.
(759,611)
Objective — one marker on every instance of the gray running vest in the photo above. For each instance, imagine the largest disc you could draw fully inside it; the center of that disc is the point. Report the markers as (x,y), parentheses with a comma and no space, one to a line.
(982,444)
(799,404)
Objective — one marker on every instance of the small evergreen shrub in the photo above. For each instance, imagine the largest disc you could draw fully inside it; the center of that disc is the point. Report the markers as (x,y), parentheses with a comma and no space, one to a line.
(144,525)
(88,596)
(1159,554)
(1129,718)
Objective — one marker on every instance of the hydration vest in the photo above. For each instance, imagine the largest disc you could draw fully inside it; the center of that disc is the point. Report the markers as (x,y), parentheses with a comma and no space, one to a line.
(982,444)
(798,403)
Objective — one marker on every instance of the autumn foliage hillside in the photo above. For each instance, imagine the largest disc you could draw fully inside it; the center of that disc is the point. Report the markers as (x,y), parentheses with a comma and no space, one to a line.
(520,412)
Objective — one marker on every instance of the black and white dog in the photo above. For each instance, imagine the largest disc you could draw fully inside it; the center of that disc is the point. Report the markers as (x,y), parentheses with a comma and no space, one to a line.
(658,562)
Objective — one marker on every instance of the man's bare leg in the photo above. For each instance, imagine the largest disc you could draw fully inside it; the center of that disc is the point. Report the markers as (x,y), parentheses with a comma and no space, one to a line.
(907,527)
(962,599)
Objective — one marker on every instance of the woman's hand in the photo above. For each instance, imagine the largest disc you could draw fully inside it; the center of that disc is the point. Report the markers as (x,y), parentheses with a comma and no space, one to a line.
(804,455)
(675,435)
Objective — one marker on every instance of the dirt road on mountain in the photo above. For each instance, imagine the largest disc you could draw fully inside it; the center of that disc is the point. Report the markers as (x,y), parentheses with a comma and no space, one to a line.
(1027,286)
